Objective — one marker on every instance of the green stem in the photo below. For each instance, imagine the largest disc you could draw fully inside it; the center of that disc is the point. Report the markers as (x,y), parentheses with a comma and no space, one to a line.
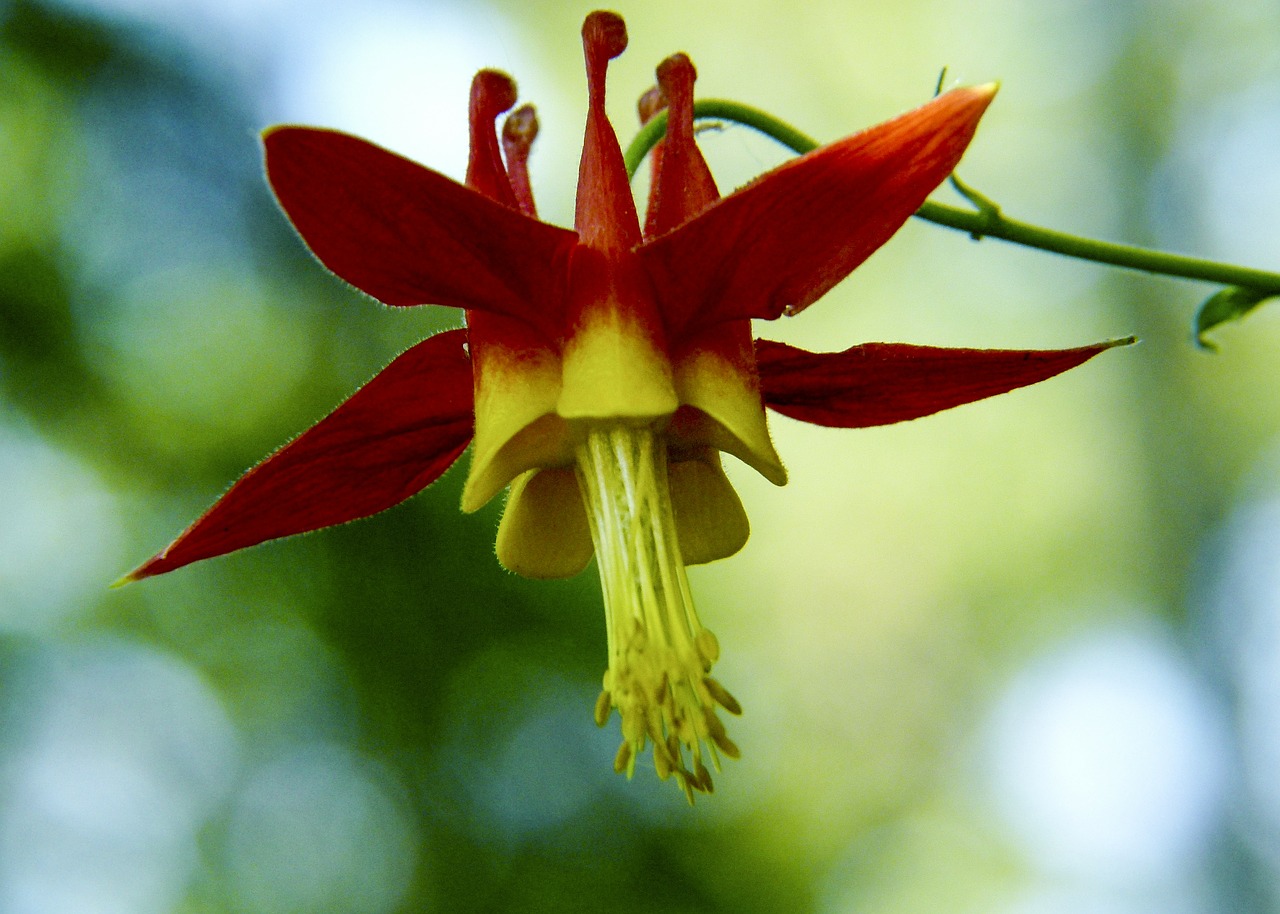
(986,221)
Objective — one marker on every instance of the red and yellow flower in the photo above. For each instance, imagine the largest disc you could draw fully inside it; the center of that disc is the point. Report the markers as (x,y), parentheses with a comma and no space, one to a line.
(603,370)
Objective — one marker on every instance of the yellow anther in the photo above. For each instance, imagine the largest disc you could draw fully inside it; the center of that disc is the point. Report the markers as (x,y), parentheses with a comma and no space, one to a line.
(726,745)
(622,761)
(722,696)
(661,761)
(633,724)
(673,750)
(704,778)
(604,704)
(714,726)
(685,780)
(660,693)
(708,648)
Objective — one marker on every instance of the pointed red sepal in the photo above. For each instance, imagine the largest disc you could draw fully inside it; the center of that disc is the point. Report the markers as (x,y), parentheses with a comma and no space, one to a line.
(682,183)
(882,383)
(408,235)
(492,93)
(392,438)
(605,213)
(519,131)
(780,243)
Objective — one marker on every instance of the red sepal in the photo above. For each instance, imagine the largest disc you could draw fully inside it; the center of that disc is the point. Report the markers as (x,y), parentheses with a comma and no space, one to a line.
(408,235)
(881,383)
(682,183)
(391,439)
(492,93)
(604,212)
(519,131)
(780,243)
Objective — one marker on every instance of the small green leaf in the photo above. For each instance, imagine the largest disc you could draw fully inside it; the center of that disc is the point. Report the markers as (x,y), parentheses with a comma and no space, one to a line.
(1232,303)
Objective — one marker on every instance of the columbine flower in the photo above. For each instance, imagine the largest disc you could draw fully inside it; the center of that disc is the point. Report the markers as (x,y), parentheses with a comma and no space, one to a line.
(602,370)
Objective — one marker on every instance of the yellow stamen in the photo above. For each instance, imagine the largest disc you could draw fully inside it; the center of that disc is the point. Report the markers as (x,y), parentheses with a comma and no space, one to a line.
(660,656)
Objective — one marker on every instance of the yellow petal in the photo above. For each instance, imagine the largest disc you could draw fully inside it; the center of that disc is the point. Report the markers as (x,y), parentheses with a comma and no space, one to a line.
(715,374)
(611,371)
(544,532)
(710,521)
(517,384)
(615,364)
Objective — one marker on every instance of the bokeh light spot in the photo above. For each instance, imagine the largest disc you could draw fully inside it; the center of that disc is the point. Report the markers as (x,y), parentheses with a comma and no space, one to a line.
(60,541)
(320,830)
(112,757)
(1109,759)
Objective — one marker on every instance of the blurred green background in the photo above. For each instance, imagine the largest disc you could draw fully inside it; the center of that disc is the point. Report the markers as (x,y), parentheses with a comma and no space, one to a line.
(1023,656)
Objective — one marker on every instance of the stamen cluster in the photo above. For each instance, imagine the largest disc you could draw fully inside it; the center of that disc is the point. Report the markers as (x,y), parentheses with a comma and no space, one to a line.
(660,656)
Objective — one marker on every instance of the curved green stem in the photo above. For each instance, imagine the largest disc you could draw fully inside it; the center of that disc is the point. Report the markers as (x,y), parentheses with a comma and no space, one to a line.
(767,124)
(986,221)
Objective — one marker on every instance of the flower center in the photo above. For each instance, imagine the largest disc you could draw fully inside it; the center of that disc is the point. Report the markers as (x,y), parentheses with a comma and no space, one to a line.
(659,653)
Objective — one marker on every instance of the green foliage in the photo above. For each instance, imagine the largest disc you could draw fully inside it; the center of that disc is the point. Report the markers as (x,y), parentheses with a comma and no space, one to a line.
(1230,304)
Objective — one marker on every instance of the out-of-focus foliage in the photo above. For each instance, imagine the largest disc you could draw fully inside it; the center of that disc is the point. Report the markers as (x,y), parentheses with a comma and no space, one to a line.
(1021,656)
(1230,304)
